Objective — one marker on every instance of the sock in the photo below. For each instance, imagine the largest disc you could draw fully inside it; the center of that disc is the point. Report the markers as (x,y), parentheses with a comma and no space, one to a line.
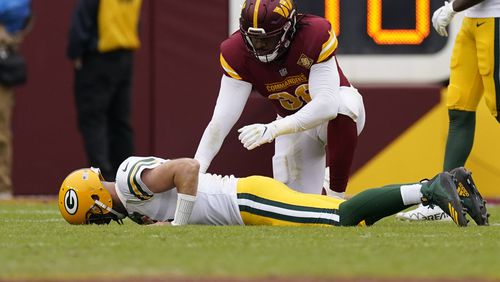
(460,138)
(342,141)
(372,205)
(411,194)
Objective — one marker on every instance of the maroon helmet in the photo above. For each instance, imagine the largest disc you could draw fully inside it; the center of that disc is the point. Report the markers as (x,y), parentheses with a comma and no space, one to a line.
(267,27)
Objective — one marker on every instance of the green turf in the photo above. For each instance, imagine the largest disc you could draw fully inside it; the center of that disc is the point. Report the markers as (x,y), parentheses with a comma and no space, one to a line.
(35,242)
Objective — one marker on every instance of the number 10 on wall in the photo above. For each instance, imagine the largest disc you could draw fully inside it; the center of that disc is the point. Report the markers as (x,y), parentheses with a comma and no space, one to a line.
(374,18)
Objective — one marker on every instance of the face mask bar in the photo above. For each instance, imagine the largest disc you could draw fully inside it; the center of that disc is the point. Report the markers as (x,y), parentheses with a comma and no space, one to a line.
(253,34)
(96,215)
(103,206)
(273,39)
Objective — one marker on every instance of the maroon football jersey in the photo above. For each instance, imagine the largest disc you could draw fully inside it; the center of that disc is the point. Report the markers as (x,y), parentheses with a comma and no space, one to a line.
(283,81)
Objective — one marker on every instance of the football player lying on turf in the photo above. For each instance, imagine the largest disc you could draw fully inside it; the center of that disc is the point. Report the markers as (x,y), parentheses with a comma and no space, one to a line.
(173,192)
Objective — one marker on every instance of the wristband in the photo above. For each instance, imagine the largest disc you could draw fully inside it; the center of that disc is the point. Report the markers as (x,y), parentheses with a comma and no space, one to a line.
(185,204)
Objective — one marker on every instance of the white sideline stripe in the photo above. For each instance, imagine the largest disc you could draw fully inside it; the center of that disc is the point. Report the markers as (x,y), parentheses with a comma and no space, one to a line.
(25,211)
(294,213)
(32,220)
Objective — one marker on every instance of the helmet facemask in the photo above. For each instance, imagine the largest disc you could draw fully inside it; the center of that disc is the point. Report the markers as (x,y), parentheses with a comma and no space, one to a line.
(100,213)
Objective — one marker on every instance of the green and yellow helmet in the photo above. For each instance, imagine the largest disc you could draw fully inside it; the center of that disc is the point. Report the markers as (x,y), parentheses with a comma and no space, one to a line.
(84,200)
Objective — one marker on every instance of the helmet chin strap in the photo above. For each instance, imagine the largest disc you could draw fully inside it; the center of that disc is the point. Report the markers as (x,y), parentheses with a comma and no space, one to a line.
(103,206)
(268,58)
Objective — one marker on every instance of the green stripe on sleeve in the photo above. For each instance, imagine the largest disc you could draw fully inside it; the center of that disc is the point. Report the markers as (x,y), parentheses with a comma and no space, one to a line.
(141,194)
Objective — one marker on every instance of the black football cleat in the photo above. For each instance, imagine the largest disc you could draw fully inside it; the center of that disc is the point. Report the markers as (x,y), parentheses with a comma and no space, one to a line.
(442,191)
(472,200)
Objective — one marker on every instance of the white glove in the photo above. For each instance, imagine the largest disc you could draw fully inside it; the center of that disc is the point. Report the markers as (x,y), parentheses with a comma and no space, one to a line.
(442,18)
(254,135)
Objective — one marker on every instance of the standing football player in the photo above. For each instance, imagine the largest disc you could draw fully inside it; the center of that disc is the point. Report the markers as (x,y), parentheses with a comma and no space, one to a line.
(475,66)
(289,58)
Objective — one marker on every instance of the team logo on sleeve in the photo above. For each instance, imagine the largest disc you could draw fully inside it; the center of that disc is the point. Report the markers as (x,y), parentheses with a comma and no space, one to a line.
(71,201)
(305,61)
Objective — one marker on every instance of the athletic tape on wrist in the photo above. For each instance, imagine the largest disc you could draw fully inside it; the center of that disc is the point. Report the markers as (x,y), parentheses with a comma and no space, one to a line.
(185,204)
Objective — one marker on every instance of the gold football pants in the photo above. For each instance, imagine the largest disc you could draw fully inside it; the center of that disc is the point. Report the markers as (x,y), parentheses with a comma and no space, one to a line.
(475,66)
(265,201)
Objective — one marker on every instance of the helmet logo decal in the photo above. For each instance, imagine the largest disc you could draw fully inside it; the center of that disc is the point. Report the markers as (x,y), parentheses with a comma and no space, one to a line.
(71,201)
(284,8)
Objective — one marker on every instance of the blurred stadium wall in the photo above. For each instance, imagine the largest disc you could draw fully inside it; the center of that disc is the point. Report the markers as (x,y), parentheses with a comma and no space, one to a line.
(175,88)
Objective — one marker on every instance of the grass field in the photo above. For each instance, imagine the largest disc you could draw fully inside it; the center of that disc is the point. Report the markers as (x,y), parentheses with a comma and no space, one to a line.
(36,243)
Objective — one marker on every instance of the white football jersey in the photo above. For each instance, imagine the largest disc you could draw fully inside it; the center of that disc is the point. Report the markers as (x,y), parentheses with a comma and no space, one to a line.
(215,201)
(485,9)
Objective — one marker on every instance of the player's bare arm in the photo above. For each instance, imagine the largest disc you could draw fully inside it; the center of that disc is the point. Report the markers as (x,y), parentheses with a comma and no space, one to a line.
(179,173)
